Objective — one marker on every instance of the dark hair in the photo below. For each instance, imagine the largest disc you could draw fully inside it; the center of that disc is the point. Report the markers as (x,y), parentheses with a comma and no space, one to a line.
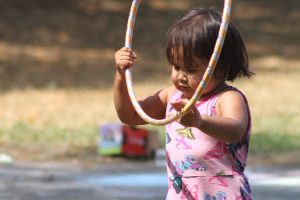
(194,35)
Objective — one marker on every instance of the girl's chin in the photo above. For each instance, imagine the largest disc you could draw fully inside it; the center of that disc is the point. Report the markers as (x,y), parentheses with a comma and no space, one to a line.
(187,95)
(187,92)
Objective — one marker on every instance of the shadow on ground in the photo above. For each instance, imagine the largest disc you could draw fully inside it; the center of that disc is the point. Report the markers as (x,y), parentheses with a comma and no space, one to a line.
(71,43)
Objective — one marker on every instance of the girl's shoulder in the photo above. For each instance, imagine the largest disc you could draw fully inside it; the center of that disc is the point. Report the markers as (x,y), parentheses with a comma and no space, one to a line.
(233,100)
(161,97)
(168,92)
(231,94)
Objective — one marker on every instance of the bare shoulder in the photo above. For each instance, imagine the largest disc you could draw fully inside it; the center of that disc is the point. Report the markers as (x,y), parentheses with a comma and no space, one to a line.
(159,99)
(166,93)
(232,102)
(155,105)
(231,95)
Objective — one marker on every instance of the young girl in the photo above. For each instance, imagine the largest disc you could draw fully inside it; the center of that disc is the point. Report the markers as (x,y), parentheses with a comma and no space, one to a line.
(207,148)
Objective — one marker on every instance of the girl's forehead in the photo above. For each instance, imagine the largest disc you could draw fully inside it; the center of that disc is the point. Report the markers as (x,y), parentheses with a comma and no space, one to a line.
(180,59)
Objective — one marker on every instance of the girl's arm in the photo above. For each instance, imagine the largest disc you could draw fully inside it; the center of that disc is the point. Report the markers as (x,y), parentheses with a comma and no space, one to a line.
(231,119)
(230,122)
(154,105)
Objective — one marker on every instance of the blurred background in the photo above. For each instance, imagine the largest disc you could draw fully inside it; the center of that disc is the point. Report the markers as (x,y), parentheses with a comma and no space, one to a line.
(57,69)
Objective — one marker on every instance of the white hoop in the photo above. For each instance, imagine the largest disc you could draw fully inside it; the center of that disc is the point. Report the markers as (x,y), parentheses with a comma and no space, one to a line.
(206,77)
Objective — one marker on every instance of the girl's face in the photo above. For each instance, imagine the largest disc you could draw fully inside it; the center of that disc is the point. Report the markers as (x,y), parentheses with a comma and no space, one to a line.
(187,79)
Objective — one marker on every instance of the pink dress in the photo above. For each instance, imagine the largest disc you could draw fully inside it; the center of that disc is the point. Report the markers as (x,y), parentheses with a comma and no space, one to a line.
(201,167)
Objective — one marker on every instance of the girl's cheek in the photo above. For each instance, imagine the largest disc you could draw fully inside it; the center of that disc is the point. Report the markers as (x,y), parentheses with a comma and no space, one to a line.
(195,83)
(174,77)
(174,81)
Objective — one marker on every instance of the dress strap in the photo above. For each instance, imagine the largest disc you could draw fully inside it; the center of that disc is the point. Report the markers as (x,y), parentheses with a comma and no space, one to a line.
(215,99)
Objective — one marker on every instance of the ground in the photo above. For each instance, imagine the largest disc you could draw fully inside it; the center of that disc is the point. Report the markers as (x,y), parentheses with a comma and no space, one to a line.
(122,180)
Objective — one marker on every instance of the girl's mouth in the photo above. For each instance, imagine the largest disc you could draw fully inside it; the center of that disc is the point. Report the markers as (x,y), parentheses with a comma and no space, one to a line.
(187,91)
(184,88)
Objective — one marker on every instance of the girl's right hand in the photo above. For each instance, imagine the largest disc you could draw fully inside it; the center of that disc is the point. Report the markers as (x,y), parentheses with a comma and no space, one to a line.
(124,58)
(192,118)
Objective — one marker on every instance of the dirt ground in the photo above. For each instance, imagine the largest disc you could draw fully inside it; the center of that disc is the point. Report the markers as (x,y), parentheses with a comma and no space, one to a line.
(74,181)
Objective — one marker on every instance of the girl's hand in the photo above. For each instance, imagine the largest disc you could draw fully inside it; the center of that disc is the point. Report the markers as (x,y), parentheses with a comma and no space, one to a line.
(124,58)
(192,118)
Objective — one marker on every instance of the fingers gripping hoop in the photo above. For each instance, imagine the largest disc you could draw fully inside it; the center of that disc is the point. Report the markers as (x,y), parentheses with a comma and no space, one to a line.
(206,77)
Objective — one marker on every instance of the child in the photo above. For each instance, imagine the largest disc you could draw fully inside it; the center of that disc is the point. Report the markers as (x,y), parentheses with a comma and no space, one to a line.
(207,148)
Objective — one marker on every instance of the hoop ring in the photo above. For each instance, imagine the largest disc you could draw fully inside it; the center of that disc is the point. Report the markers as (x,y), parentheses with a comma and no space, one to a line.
(206,77)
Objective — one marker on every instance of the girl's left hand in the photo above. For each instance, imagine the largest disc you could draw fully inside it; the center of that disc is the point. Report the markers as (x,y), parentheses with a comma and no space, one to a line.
(192,118)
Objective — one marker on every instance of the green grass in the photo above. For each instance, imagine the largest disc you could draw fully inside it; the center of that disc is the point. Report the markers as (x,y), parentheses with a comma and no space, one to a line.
(24,133)
(277,134)
(27,142)
(267,142)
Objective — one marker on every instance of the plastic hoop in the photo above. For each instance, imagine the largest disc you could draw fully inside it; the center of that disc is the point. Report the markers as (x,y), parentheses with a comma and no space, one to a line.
(206,77)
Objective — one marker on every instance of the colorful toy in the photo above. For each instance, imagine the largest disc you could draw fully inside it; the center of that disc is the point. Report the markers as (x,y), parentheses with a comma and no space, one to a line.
(208,73)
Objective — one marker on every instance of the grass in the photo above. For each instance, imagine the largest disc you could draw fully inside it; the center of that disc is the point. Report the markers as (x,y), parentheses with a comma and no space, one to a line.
(28,142)
(56,75)
(69,120)
(274,142)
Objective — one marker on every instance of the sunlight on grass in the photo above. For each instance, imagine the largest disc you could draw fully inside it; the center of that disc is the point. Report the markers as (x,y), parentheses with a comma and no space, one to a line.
(69,118)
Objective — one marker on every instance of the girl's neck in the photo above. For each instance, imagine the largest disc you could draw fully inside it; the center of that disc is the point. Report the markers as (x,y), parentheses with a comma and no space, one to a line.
(214,90)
